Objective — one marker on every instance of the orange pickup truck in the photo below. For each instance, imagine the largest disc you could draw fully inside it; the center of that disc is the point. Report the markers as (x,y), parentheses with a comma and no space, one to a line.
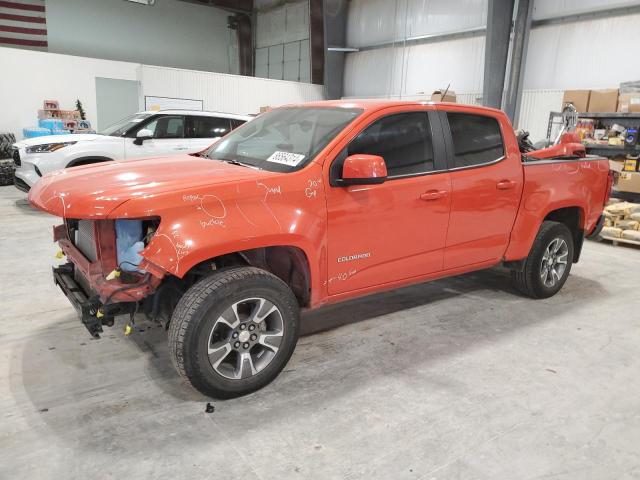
(307,205)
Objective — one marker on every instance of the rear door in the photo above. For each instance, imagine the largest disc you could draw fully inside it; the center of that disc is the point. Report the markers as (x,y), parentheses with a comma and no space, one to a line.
(168,138)
(205,130)
(486,184)
(396,230)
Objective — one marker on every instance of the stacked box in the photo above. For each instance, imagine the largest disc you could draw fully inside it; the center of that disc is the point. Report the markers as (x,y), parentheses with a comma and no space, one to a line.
(51,105)
(70,124)
(43,114)
(51,123)
(622,220)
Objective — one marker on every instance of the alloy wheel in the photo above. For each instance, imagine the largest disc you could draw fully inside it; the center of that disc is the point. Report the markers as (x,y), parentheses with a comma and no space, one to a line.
(554,262)
(245,338)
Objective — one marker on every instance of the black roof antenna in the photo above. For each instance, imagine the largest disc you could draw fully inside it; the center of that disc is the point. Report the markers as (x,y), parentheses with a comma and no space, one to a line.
(445,92)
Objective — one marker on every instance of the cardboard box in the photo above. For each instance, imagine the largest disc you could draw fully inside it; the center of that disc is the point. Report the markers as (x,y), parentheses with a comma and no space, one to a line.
(616,165)
(629,102)
(629,182)
(631,165)
(578,98)
(603,101)
(450,96)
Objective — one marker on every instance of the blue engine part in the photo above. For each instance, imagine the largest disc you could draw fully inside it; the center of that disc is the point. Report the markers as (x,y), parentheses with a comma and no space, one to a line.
(129,244)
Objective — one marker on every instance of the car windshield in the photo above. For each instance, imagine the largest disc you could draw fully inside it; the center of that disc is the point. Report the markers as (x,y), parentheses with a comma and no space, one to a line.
(120,128)
(284,139)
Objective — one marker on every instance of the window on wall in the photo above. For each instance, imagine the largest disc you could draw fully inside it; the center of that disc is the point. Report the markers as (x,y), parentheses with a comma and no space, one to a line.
(476,139)
(282,42)
(288,61)
(403,140)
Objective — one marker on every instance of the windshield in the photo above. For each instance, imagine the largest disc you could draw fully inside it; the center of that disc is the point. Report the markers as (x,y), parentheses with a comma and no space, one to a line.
(284,139)
(120,128)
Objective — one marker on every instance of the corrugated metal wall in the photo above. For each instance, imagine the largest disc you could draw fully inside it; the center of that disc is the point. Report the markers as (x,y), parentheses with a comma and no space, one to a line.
(583,54)
(535,108)
(597,53)
(372,22)
(226,93)
(416,69)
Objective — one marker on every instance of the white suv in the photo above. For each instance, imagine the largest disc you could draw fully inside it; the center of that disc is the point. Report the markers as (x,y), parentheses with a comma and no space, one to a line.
(144,134)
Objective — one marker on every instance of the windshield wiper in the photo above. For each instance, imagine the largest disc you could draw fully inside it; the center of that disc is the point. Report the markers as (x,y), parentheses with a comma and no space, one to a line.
(233,161)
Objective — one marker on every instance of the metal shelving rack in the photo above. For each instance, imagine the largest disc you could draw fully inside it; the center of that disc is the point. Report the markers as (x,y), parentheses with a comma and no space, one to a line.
(624,119)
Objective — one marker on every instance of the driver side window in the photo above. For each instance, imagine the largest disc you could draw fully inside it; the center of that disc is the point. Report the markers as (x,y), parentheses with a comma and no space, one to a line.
(403,140)
(166,127)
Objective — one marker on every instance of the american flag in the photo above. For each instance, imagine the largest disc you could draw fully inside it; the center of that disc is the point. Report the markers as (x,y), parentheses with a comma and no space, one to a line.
(23,24)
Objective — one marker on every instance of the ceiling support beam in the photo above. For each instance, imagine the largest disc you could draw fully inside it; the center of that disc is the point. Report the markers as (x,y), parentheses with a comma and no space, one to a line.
(519,47)
(243,25)
(335,30)
(316,40)
(496,50)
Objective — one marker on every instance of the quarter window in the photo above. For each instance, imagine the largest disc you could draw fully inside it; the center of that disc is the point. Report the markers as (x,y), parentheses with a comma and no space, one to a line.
(209,127)
(476,139)
(403,140)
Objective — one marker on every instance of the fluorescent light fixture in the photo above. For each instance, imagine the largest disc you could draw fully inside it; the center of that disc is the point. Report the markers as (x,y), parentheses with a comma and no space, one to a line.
(343,49)
(143,2)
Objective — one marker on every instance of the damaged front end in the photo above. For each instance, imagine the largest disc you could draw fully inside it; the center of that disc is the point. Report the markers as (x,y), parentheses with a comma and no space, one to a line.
(102,277)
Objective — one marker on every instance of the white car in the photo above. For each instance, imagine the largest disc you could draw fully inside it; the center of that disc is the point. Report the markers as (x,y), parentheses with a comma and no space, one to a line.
(144,134)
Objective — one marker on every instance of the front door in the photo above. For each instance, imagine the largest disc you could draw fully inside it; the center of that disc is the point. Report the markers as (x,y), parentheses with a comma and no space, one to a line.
(396,230)
(168,138)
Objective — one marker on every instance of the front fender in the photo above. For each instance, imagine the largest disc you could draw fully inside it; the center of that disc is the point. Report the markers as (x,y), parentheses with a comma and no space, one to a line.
(206,222)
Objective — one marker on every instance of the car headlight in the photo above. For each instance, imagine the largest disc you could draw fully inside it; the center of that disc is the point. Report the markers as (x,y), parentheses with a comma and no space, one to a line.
(48,147)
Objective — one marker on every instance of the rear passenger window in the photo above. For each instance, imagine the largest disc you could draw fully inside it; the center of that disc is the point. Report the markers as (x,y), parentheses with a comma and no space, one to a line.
(403,140)
(209,127)
(476,139)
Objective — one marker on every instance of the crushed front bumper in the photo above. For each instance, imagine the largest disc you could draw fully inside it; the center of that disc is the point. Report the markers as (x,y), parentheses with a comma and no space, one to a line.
(87,309)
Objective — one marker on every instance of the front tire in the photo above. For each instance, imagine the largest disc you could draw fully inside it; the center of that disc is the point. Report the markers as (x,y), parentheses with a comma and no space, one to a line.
(234,331)
(548,264)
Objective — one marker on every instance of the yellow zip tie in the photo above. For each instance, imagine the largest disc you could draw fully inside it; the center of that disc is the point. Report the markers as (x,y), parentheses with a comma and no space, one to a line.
(60,254)
(128,330)
(99,313)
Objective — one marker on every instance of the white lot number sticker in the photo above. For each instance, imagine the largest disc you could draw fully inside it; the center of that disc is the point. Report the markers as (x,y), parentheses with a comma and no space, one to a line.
(286,158)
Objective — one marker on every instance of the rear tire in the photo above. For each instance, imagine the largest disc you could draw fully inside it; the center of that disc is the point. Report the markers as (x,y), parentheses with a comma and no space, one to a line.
(549,262)
(234,331)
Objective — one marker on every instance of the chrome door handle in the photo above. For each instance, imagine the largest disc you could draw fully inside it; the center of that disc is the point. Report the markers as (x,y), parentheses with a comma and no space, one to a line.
(433,195)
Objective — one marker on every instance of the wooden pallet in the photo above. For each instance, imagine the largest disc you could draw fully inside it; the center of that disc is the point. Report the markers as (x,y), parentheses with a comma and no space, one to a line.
(616,240)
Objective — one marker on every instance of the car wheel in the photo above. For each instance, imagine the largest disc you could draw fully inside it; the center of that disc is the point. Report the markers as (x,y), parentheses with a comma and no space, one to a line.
(548,264)
(234,331)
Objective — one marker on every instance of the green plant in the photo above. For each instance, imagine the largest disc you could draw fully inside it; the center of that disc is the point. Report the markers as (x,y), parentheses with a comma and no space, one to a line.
(79,108)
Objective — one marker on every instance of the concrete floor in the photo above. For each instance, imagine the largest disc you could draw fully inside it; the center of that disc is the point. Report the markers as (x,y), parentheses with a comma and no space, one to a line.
(460,378)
